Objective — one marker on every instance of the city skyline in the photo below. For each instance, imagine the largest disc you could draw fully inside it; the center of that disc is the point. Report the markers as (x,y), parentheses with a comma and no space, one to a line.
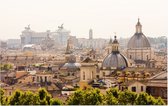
(104,16)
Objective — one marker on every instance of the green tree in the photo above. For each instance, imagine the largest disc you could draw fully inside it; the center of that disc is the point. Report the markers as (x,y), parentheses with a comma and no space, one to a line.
(55,101)
(2,97)
(142,99)
(92,97)
(86,97)
(6,67)
(127,97)
(1,67)
(15,99)
(44,96)
(110,98)
(145,99)
(29,98)
(114,91)
(151,100)
(159,101)
(76,98)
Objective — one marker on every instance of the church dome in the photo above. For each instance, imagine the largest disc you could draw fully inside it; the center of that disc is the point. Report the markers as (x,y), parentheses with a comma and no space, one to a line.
(72,66)
(71,58)
(138,40)
(115,59)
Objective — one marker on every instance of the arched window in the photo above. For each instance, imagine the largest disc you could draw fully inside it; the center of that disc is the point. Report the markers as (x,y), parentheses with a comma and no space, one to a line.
(130,57)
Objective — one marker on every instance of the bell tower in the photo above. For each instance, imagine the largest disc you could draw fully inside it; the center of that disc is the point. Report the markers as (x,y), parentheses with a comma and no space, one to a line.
(90,34)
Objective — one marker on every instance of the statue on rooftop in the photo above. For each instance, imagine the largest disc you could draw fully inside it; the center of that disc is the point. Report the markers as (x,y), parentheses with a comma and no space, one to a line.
(28,27)
(61,27)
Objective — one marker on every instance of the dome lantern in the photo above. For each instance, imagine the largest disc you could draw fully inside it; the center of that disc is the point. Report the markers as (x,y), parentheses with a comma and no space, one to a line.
(115,60)
(138,27)
(138,40)
(115,45)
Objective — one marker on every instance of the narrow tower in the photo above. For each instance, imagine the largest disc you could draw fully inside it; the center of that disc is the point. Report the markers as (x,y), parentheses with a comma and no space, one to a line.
(68,48)
(90,34)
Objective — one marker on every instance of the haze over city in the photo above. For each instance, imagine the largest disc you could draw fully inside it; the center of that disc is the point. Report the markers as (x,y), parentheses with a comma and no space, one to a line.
(104,16)
(83,52)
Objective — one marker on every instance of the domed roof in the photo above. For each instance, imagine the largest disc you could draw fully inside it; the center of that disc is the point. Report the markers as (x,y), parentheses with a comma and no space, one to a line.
(71,63)
(116,60)
(71,58)
(138,41)
(71,66)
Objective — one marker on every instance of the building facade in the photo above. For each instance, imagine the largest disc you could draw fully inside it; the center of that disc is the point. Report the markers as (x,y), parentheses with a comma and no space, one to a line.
(29,36)
(139,48)
(13,43)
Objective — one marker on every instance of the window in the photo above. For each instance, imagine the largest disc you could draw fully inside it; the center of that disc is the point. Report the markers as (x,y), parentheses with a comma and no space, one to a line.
(147,57)
(33,79)
(37,78)
(122,88)
(141,88)
(97,76)
(130,56)
(45,78)
(83,75)
(104,74)
(134,89)
(41,79)
(10,93)
(152,90)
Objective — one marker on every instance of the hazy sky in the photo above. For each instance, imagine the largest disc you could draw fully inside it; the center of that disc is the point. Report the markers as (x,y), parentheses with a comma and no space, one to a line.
(104,16)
